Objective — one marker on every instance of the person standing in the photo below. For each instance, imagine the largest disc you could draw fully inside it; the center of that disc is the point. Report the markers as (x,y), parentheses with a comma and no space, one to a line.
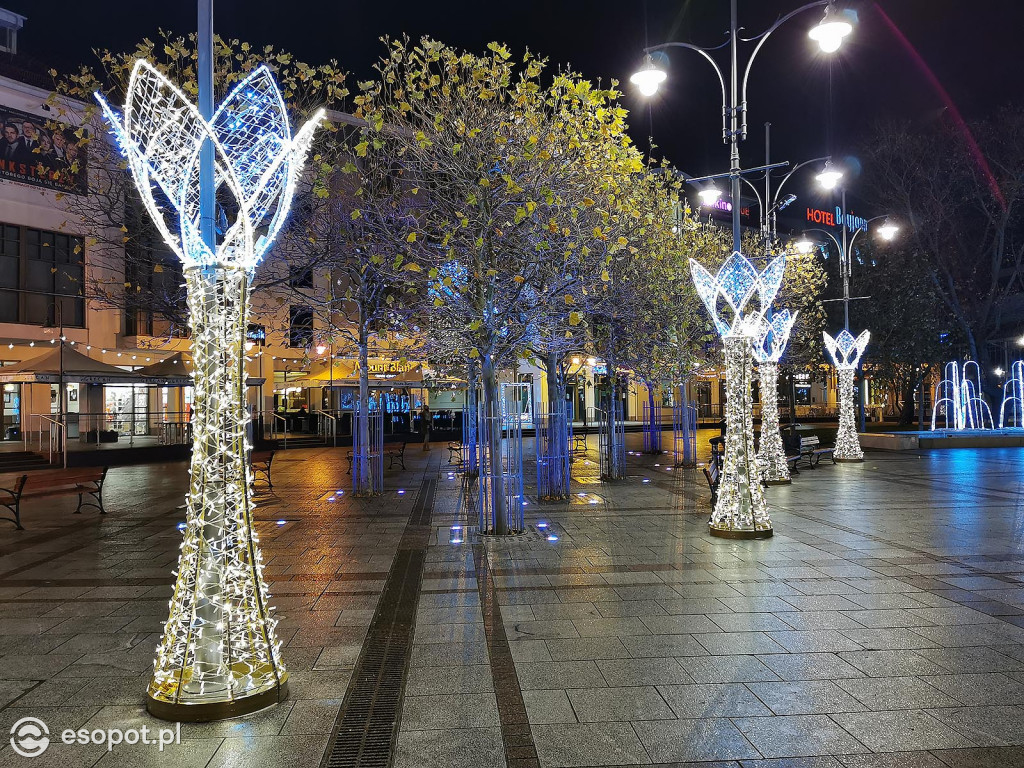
(425,425)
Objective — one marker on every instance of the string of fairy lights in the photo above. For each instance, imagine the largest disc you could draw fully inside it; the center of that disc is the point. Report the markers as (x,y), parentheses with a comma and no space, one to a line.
(219,655)
(772,342)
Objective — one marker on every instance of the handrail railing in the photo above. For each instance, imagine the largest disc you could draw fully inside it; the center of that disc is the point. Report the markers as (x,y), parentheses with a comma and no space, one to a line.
(284,427)
(328,427)
(56,436)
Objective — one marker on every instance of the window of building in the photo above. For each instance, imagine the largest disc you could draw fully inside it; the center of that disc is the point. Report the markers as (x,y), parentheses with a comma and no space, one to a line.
(42,277)
(300,326)
(299,277)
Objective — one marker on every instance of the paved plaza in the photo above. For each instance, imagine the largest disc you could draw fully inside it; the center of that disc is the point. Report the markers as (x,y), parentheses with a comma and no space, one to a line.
(883,625)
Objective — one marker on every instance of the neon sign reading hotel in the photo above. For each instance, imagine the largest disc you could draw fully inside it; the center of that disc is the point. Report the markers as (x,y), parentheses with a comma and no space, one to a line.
(836,219)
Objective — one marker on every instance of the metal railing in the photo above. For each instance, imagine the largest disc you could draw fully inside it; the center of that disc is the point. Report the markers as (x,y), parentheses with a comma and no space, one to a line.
(56,435)
(166,428)
(284,427)
(327,427)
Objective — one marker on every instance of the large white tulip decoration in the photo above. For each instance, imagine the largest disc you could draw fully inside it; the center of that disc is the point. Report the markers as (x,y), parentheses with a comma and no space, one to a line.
(219,656)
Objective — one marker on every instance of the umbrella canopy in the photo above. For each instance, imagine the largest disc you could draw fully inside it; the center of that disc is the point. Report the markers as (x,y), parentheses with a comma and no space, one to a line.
(77,369)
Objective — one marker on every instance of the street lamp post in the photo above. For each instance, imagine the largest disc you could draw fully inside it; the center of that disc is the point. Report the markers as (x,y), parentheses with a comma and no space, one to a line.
(741,511)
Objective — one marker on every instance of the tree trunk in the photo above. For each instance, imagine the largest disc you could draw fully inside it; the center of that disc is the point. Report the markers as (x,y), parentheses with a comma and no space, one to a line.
(361,473)
(471,422)
(495,488)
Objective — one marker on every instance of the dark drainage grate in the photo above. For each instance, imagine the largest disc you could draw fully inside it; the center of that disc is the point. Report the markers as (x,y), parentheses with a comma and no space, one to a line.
(516,734)
(367,726)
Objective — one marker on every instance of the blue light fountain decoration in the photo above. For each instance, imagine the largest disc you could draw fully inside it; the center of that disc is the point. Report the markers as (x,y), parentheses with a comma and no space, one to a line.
(846,351)
(959,399)
(219,656)
(1013,398)
(741,511)
(768,349)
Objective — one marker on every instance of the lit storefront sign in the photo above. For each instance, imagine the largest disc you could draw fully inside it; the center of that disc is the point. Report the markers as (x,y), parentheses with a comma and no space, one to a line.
(835,218)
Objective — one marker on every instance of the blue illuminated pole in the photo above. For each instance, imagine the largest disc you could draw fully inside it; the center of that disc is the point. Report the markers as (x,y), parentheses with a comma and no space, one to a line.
(207,193)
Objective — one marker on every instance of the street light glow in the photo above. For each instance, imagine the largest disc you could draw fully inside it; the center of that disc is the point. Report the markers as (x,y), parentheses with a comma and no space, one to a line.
(649,77)
(710,194)
(804,245)
(829,176)
(831,30)
(888,230)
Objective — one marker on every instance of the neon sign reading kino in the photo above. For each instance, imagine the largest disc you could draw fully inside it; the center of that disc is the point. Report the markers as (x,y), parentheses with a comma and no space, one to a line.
(836,219)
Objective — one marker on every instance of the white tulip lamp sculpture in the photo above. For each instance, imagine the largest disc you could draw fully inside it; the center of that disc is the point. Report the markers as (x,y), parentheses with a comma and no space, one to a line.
(219,656)
(846,352)
(768,349)
(741,511)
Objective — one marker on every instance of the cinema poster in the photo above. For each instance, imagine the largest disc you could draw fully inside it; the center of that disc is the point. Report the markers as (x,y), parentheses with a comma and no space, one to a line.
(42,152)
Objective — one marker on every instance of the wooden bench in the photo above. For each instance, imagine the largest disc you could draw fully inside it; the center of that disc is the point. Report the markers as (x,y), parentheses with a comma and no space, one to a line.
(813,452)
(713,474)
(84,482)
(395,452)
(454,452)
(260,461)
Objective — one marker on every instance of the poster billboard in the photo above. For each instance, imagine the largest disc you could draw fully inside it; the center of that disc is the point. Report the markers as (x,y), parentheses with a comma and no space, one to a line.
(42,152)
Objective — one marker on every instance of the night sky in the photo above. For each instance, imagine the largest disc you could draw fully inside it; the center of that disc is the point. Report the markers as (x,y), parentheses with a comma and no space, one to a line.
(901,56)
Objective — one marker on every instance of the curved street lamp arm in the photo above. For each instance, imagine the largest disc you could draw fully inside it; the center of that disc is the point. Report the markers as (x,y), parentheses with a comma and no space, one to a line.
(873,218)
(764,36)
(830,236)
(760,200)
(718,71)
(797,167)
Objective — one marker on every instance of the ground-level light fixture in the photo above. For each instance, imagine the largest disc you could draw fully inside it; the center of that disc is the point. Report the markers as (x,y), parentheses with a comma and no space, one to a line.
(829,176)
(830,31)
(648,77)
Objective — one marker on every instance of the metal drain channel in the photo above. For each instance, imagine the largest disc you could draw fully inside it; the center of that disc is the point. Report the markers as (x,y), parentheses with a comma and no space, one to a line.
(367,726)
(516,734)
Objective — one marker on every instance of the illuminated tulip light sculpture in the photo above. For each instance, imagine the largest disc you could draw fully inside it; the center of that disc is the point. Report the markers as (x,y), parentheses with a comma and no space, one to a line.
(768,349)
(845,352)
(1013,397)
(741,511)
(219,656)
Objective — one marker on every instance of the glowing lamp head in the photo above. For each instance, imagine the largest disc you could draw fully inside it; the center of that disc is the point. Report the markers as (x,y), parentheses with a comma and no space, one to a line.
(833,27)
(320,349)
(804,245)
(830,176)
(888,230)
(648,77)
(709,195)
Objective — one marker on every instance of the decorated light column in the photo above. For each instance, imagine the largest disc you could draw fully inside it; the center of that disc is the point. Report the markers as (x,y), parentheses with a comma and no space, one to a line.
(846,352)
(219,656)
(768,349)
(741,511)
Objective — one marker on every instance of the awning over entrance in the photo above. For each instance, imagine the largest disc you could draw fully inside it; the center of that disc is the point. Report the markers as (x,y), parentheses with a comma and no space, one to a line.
(176,371)
(77,369)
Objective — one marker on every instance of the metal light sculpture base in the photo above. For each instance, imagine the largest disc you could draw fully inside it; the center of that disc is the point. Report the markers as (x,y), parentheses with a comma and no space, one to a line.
(741,511)
(219,656)
(846,352)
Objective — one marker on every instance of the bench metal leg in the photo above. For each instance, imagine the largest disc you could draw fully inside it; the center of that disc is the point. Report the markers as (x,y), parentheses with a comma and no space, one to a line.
(14,509)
